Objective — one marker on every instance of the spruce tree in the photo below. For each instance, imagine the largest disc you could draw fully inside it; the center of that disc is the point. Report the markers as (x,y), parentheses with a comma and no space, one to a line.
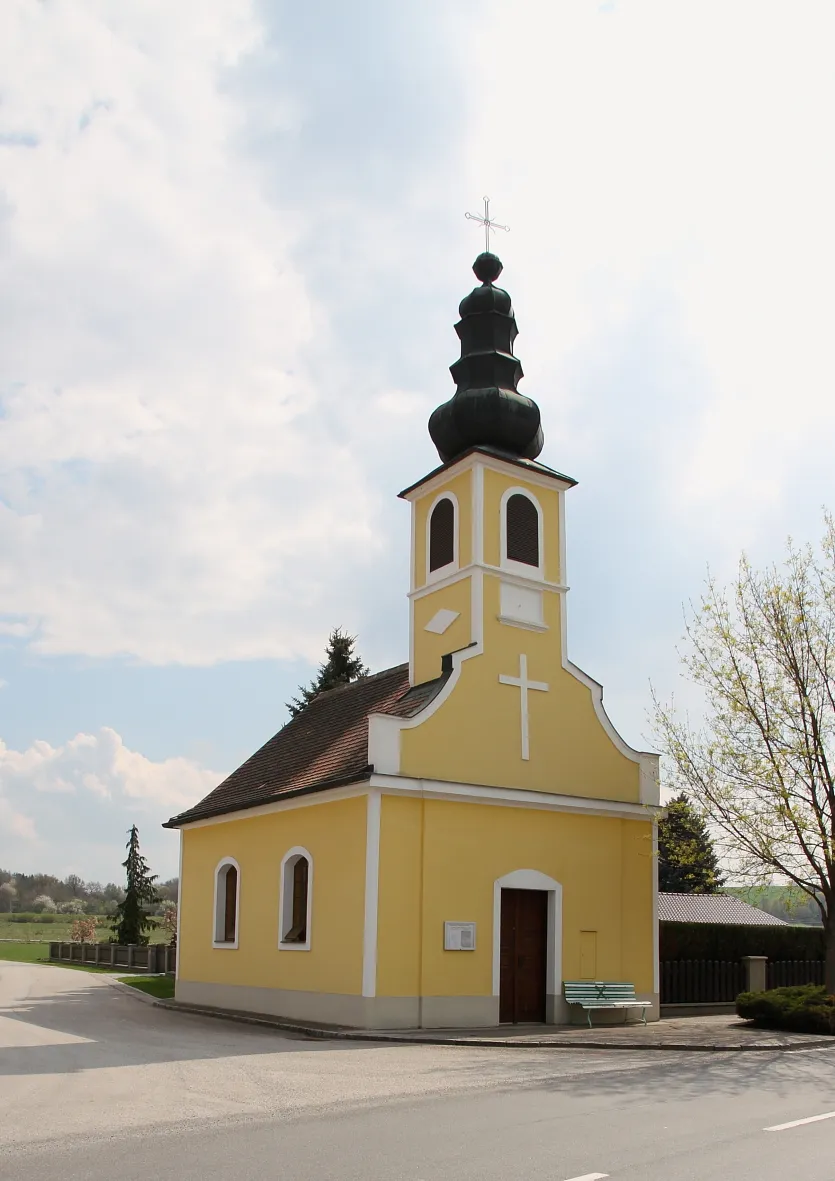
(687,862)
(131,919)
(341,666)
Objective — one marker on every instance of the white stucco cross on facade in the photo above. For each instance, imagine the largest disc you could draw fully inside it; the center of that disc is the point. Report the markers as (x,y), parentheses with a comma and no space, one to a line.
(523,684)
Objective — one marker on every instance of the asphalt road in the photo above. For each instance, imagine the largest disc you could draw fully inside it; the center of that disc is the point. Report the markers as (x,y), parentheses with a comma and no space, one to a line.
(96,1085)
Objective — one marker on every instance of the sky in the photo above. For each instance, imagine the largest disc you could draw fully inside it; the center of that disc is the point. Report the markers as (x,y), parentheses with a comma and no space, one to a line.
(232,246)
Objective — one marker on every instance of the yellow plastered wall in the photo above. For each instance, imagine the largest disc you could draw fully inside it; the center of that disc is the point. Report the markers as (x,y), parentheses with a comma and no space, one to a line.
(439,861)
(335,835)
(432,647)
(461,487)
(637,894)
(475,735)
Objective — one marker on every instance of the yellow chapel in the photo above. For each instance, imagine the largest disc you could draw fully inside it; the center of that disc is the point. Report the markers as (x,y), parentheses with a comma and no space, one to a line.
(444,843)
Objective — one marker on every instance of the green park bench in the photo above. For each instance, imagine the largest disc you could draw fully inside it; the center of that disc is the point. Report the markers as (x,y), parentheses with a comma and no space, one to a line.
(603,994)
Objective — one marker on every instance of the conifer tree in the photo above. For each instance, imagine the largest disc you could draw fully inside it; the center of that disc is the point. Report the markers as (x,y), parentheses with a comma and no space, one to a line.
(341,666)
(131,919)
(687,862)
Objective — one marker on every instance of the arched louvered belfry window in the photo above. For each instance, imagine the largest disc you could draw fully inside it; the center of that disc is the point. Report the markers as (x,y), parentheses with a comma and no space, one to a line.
(522,530)
(442,534)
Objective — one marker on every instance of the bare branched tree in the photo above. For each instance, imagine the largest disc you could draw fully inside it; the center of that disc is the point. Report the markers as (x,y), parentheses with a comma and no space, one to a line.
(762,765)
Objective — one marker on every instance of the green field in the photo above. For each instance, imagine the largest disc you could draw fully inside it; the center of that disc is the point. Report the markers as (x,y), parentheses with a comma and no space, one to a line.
(59,930)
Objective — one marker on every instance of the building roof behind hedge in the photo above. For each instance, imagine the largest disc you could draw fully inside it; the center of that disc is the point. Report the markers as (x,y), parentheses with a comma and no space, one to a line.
(713,908)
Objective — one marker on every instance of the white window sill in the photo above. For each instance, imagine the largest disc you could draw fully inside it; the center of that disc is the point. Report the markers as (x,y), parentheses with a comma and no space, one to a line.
(294,946)
(525,623)
(441,572)
(225,946)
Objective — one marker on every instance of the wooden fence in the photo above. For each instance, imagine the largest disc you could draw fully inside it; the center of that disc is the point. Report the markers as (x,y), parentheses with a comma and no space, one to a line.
(691,982)
(153,957)
(706,982)
(782,973)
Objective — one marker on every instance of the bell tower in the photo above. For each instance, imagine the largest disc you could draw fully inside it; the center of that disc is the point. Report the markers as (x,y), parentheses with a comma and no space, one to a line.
(487,524)
(495,701)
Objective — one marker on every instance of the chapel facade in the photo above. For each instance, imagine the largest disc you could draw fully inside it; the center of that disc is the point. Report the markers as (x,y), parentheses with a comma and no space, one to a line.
(442,843)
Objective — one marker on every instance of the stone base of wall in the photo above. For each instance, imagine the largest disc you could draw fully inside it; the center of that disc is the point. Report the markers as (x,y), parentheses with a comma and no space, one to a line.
(354,1012)
(381,1012)
(697,1010)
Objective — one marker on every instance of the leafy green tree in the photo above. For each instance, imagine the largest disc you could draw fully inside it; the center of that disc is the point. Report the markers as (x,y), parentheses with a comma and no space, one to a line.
(131,919)
(341,666)
(762,764)
(687,861)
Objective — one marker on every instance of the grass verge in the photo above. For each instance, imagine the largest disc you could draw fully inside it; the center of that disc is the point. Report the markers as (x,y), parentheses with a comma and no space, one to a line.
(161,987)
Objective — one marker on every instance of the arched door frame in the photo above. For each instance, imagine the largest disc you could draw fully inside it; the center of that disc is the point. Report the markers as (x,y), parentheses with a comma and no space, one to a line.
(533,879)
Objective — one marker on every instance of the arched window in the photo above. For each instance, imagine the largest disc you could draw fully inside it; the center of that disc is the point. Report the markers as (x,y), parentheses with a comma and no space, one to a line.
(442,534)
(227,896)
(294,906)
(522,530)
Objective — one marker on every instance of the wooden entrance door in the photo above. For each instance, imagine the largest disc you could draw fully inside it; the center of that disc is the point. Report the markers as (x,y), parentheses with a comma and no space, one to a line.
(524,951)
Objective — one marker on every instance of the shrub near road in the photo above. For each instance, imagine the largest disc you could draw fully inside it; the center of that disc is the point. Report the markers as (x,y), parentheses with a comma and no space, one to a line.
(807,1009)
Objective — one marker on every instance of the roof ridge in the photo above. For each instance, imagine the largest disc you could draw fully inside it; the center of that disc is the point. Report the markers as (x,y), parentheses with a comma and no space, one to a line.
(363,680)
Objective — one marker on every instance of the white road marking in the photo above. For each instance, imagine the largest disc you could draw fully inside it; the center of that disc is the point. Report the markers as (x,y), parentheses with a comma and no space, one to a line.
(589,1177)
(795,1123)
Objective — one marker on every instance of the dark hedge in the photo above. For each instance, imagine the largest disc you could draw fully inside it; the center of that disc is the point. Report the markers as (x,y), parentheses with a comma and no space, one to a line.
(720,941)
(803,1010)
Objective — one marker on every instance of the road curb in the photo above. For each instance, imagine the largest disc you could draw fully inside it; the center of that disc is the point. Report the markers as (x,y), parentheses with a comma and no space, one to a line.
(137,993)
(340,1033)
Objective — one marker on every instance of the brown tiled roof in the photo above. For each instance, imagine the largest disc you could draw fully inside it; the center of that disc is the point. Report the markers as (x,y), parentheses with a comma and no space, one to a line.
(713,908)
(326,745)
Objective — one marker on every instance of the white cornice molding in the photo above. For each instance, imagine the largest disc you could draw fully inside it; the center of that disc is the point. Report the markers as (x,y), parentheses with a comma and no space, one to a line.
(511,797)
(510,576)
(394,784)
(516,471)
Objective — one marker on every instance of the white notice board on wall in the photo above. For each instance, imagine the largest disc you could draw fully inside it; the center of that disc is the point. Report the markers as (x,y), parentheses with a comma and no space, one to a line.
(459,936)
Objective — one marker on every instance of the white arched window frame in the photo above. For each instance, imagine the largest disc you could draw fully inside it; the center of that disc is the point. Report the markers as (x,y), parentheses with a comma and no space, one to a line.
(507,563)
(219,907)
(450,567)
(285,898)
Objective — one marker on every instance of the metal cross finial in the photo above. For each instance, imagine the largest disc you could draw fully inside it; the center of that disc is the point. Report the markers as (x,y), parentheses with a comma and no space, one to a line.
(487,222)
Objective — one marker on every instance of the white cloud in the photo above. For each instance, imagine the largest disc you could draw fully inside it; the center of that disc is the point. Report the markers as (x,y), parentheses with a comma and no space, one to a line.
(179,481)
(160,479)
(17,824)
(69,806)
(663,162)
(101,764)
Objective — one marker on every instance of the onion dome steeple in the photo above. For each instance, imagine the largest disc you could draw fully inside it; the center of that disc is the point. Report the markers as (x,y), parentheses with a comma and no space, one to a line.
(486,409)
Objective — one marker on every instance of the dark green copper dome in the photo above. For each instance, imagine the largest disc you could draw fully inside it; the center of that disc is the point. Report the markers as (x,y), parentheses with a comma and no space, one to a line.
(486,409)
